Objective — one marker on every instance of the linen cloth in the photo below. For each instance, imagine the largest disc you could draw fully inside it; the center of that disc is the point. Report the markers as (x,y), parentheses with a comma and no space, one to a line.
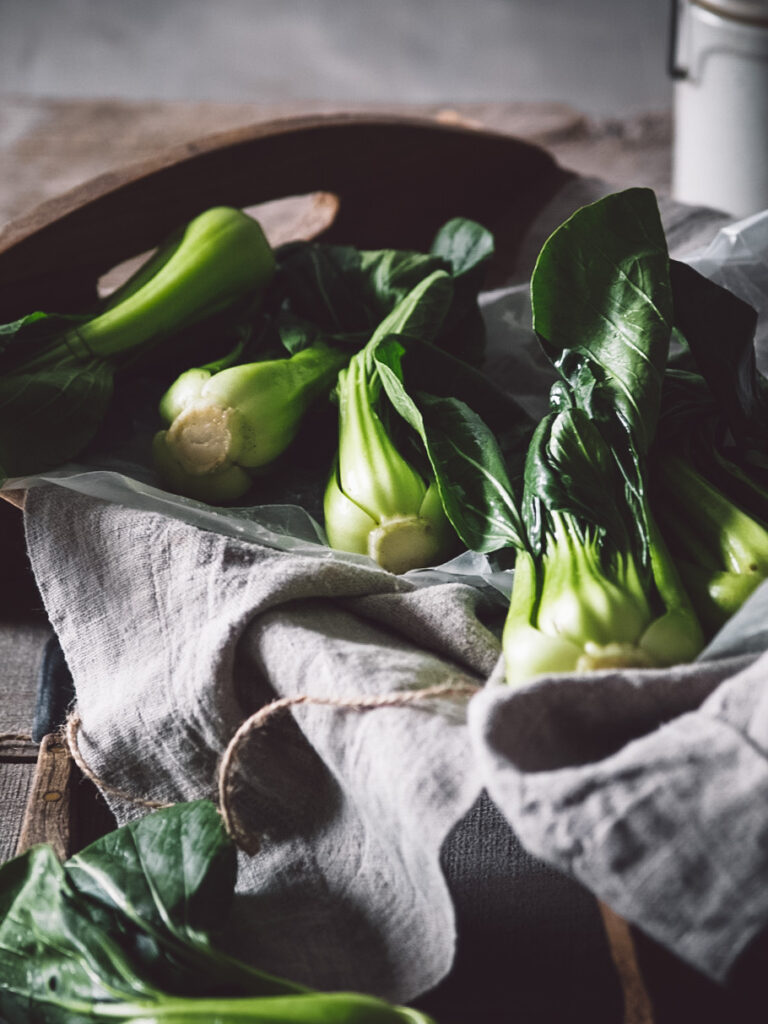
(174,634)
(649,788)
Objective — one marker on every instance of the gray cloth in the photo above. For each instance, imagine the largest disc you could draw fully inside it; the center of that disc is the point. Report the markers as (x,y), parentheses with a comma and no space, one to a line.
(174,634)
(648,787)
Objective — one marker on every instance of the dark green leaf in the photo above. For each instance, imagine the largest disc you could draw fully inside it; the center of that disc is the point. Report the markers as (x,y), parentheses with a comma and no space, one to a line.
(75,945)
(54,961)
(465,458)
(720,331)
(25,338)
(339,294)
(167,882)
(602,306)
(49,416)
(570,468)
(420,313)
(465,245)
(340,289)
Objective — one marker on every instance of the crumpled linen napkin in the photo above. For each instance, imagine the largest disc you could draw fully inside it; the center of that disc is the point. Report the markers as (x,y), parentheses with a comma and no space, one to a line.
(174,635)
(649,787)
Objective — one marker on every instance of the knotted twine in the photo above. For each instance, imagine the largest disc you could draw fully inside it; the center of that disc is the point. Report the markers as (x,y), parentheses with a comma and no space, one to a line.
(228,766)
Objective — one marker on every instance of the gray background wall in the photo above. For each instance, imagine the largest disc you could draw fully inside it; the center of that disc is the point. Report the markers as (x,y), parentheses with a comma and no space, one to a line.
(605,57)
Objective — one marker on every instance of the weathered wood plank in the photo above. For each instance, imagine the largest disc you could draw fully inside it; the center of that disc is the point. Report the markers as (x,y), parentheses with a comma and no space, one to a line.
(15,787)
(17,748)
(47,817)
(21,652)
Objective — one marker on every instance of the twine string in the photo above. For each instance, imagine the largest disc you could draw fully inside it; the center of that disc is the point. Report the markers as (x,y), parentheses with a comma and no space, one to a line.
(397,699)
(227,767)
(71,730)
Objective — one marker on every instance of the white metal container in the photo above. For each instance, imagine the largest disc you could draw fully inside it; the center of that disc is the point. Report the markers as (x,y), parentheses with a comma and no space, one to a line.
(719,59)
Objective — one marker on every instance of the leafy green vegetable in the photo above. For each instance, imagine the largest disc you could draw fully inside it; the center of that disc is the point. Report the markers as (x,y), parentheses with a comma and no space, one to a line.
(340,294)
(49,415)
(712,449)
(124,932)
(719,331)
(594,584)
(602,308)
(581,598)
(56,373)
(720,550)
(466,460)
(224,425)
(376,502)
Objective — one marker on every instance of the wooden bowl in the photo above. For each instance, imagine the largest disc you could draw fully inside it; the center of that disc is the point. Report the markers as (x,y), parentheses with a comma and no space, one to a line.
(397,180)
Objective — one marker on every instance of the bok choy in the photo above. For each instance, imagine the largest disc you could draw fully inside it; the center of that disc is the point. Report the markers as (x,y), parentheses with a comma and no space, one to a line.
(376,502)
(126,931)
(720,549)
(56,373)
(710,461)
(222,426)
(594,584)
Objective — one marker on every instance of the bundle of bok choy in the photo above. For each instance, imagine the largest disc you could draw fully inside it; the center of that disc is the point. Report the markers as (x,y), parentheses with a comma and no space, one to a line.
(643,512)
(227,421)
(594,583)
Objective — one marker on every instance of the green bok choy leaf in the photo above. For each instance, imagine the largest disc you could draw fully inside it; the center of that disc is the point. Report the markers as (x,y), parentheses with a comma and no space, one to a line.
(340,294)
(125,931)
(711,456)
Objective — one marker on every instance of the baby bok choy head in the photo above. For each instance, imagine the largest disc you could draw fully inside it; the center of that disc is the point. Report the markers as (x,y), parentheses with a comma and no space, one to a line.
(589,592)
(218,258)
(376,502)
(222,426)
(594,584)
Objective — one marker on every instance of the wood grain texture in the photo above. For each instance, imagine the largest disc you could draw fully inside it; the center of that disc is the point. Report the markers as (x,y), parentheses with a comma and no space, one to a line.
(49,145)
(397,181)
(637,1003)
(47,818)
(21,650)
(15,787)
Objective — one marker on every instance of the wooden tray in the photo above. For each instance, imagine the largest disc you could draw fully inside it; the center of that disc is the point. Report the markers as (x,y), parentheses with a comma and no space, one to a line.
(396,180)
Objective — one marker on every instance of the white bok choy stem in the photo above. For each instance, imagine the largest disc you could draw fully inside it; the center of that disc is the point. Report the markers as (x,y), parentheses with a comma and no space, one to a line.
(223,426)
(376,503)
